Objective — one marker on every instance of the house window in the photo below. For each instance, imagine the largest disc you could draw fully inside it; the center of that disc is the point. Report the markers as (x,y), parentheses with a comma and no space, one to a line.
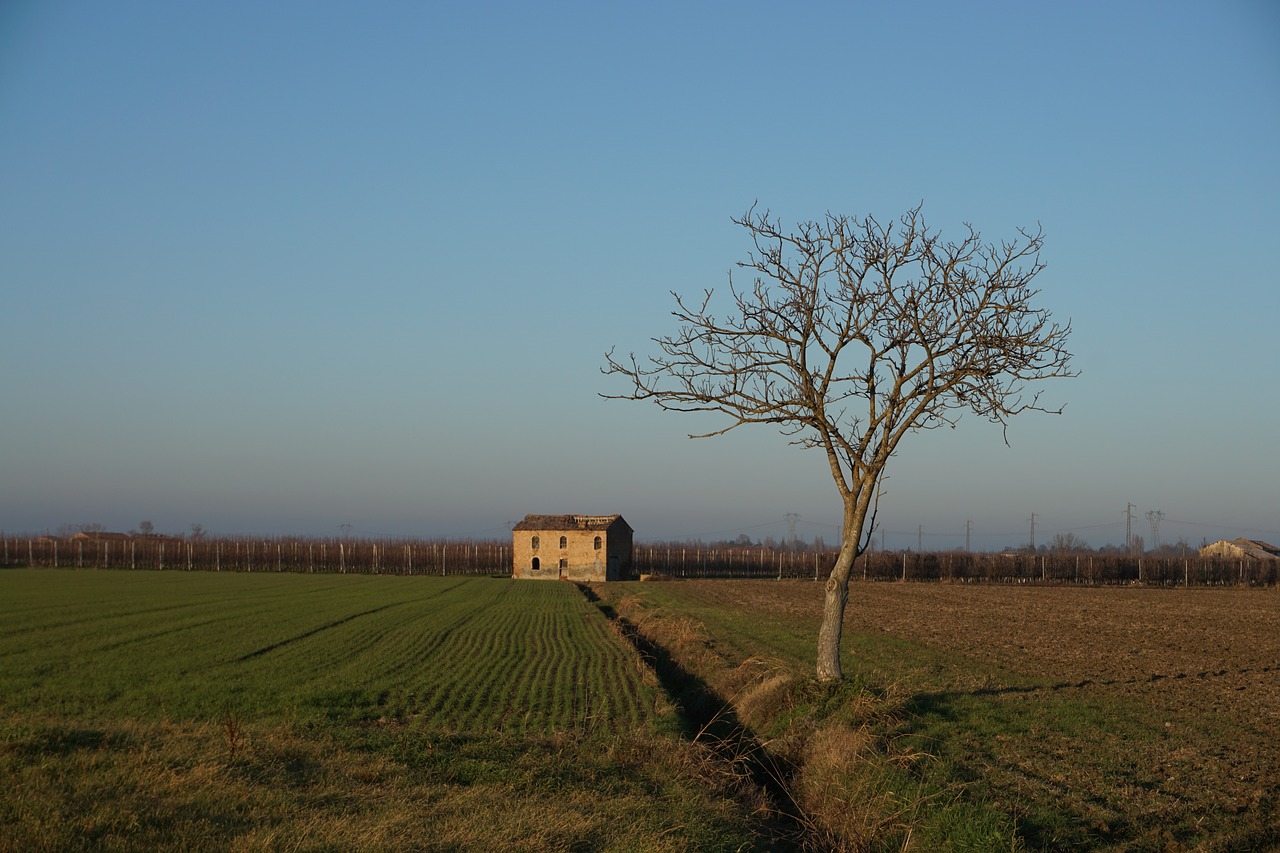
(597,543)
(536,564)
(564,564)
(535,543)
(564,541)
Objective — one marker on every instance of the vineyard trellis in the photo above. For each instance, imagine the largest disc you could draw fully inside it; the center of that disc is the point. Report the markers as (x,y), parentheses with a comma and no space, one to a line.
(259,554)
(675,560)
(959,566)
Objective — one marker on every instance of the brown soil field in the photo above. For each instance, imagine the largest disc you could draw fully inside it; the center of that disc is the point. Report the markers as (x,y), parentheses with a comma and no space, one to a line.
(1199,666)
(1211,650)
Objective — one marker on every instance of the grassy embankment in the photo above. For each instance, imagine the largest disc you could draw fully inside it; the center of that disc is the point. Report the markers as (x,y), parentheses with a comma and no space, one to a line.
(210,712)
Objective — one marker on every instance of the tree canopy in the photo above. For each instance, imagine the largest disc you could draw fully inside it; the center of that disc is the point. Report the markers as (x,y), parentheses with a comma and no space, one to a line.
(850,335)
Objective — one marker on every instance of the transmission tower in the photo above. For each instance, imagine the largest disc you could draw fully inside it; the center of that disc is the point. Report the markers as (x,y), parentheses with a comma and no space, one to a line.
(792,518)
(1128,528)
(1153,518)
(968,528)
(1033,531)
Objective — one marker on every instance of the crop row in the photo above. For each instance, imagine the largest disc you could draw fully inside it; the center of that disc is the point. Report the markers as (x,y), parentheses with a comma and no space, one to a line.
(461,654)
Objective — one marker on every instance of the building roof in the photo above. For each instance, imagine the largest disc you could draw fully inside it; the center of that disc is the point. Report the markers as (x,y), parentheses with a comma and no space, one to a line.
(1255,548)
(570,522)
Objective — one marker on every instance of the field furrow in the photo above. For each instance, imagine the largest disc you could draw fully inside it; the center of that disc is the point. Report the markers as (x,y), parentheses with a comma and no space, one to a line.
(455,653)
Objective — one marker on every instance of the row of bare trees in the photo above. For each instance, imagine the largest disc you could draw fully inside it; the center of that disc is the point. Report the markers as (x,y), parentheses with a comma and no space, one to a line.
(242,554)
(679,561)
(439,557)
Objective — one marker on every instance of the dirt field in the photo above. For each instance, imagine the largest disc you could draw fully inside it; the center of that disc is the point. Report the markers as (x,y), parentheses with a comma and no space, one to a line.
(1200,667)
(1204,649)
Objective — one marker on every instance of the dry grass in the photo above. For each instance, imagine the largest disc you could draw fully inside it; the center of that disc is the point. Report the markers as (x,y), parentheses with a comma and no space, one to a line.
(832,755)
(214,786)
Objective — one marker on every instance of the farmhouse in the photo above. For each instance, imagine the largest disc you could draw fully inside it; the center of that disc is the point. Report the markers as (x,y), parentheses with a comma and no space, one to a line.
(99,536)
(571,547)
(1235,549)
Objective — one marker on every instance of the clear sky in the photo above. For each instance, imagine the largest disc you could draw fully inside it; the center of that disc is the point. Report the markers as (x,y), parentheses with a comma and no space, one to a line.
(277,267)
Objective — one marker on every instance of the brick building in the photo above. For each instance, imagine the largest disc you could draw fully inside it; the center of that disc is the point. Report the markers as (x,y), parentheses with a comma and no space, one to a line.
(572,547)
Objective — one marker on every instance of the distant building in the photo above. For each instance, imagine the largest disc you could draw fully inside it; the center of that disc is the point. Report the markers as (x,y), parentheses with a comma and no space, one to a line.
(99,536)
(1248,549)
(572,547)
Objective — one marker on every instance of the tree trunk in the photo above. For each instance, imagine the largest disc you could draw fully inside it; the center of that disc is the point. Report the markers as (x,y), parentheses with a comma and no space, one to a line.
(833,605)
(837,594)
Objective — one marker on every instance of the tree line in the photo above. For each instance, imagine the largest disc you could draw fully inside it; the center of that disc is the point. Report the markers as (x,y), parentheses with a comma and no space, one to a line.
(259,554)
(405,556)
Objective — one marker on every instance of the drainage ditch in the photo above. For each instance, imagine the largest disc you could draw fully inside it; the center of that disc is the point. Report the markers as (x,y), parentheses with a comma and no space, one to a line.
(710,721)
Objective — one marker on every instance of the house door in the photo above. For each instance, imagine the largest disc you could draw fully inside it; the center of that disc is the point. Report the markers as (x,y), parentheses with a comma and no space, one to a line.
(536,564)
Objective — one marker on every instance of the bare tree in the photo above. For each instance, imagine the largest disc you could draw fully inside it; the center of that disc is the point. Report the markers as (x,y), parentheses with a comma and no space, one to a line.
(851,335)
(1066,542)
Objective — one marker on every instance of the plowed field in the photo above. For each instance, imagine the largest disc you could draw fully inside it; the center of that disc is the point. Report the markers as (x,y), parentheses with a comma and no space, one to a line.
(1199,650)
(1183,687)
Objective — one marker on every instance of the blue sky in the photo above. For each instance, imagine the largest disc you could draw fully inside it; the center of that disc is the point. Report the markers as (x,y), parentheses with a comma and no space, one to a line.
(273,268)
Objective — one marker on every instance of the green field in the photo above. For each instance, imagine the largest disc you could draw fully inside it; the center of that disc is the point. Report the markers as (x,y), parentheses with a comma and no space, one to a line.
(283,711)
(462,654)
(275,711)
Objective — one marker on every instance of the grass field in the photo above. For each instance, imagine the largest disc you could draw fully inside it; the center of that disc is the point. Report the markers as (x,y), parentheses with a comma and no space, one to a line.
(457,654)
(208,711)
(235,711)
